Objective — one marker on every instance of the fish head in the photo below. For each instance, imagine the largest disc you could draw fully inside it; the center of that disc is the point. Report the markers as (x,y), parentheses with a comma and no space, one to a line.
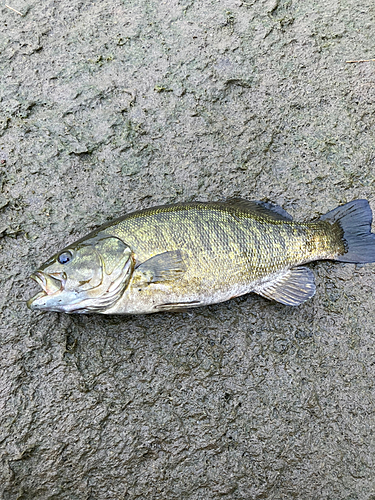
(88,276)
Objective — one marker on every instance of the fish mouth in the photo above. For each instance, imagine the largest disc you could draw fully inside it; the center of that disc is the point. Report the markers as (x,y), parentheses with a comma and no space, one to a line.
(50,284)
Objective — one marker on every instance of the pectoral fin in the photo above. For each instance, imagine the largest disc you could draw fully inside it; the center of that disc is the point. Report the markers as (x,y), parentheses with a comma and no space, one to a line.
(163,267)
(291,288)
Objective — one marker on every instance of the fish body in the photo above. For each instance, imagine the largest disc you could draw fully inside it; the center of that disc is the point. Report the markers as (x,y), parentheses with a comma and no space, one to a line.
(175,257)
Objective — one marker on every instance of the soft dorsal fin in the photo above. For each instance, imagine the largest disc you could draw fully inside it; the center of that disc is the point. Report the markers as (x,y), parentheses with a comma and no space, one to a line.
(291,288)
(163,267)
(261,208)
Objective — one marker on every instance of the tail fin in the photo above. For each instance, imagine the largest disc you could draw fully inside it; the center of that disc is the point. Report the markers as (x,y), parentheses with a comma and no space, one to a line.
(355,220)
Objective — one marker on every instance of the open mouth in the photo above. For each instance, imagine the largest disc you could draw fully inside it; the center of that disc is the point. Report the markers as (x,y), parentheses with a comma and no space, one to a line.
(51,284)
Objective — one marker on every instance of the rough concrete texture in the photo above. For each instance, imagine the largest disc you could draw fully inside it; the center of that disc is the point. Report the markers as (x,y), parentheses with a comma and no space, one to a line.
(107,107)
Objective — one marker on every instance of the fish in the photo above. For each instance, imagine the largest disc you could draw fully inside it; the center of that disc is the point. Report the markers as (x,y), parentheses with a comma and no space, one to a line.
(180,256)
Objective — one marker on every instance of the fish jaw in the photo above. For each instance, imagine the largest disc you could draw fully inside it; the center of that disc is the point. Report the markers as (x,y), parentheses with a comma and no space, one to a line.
(58,302)
(52,297)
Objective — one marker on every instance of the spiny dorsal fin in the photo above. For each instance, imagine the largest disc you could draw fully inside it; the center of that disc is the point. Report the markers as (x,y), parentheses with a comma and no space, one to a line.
(291,288)
(163,267)
(261,208)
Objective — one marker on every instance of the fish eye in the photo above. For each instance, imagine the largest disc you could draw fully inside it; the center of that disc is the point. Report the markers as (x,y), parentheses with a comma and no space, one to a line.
(65,257)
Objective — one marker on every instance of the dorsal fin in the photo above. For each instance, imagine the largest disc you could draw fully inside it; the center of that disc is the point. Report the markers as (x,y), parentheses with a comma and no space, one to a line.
(260,208)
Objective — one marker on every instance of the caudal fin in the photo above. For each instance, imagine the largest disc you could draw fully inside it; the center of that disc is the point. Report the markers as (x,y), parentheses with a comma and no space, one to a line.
(355,220)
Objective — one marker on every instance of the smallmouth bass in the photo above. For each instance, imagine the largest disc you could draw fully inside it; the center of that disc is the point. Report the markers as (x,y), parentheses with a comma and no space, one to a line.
(174,257)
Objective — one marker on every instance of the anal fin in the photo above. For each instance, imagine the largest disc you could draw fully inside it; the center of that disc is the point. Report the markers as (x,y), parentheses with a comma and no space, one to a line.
(291,288)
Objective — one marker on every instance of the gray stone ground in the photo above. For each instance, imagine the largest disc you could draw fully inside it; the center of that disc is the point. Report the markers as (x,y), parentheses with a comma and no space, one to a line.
(107,107)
